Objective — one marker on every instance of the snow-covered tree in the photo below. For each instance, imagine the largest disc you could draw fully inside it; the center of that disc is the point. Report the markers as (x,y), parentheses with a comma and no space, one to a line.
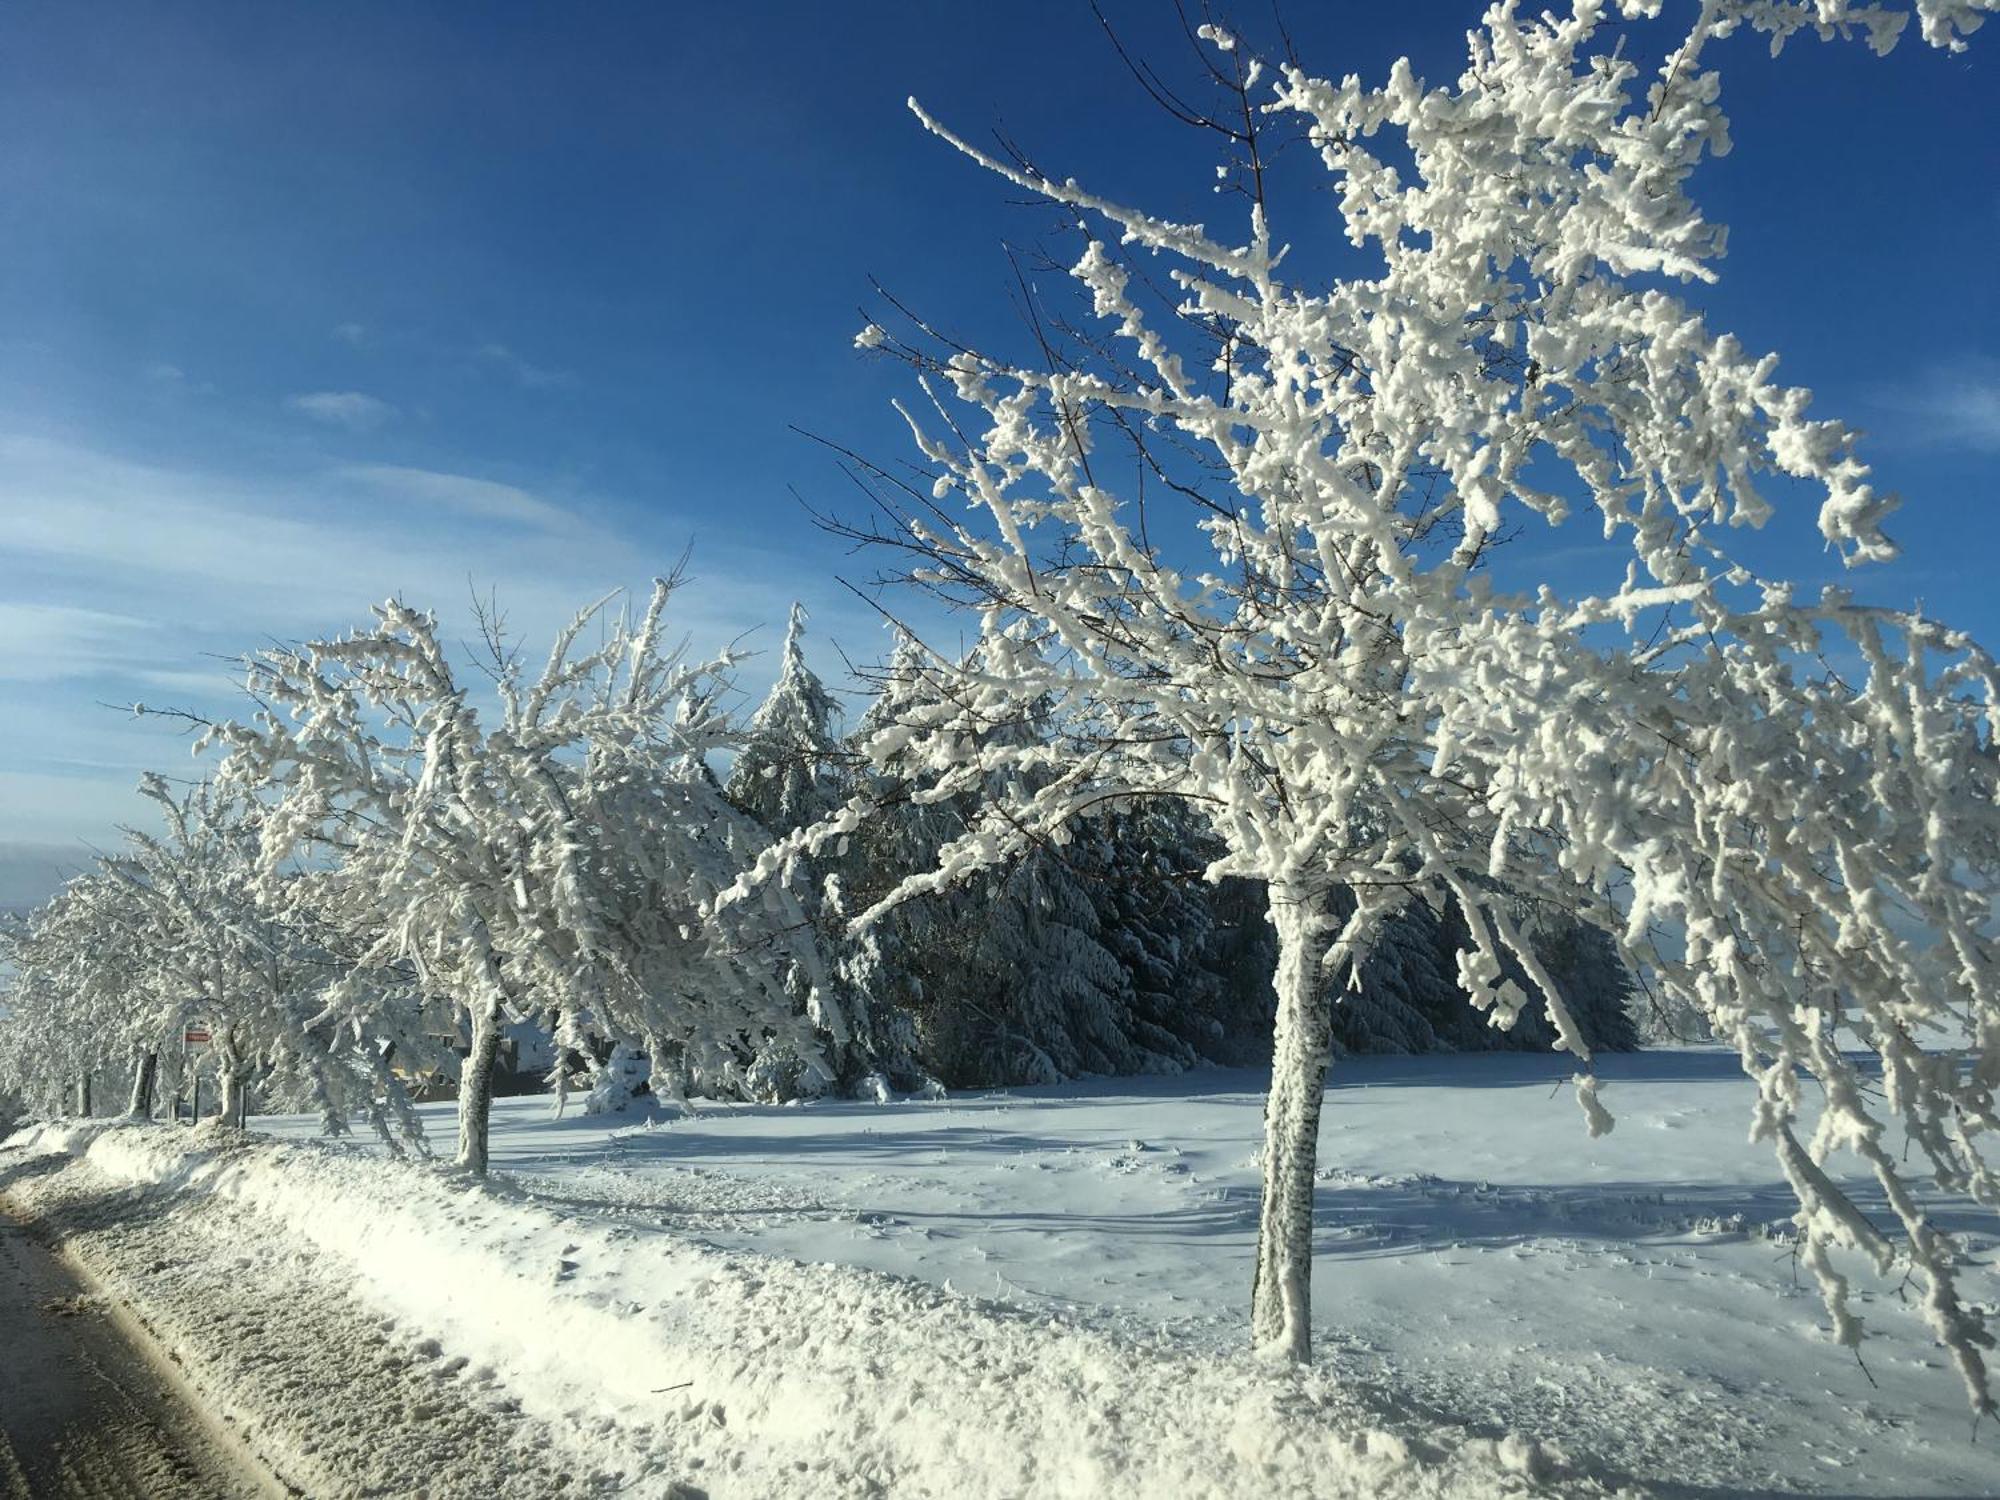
(1408,997)
(1159,920)
(1009,979)
(175,928)
(78,1000)
(1363,710)
(250,958)
(892,971)
(788,776)
(1583,963)
(784,774)
(539,854)
(1041,997)
(714,998)
(1403,984)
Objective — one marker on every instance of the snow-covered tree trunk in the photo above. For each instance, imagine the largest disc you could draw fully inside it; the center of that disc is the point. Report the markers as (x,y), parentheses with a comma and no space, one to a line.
(233,1077)
(1281,1296)
(388,1096)
(475,1091)
(143,1074)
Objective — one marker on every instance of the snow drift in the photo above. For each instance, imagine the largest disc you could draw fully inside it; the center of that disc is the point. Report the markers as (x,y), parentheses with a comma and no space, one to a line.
(696,1371)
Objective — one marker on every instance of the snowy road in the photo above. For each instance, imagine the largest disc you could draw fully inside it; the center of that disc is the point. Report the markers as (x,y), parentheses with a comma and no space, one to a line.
(334,1400)
(83,1410)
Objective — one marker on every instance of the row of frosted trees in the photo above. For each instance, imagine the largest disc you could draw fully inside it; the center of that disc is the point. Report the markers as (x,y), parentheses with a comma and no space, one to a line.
(390,863)
(372,887)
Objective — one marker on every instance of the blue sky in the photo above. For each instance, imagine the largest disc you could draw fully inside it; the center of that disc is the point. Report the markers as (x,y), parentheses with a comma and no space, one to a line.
(305,305)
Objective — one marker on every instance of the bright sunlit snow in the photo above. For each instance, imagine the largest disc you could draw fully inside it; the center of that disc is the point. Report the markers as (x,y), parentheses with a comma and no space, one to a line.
(1631,1298)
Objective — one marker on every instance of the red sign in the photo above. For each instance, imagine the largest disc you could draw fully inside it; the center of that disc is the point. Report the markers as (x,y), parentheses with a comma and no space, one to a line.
(195,1036)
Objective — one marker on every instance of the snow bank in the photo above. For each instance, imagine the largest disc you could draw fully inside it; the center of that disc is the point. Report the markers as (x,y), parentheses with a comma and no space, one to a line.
(690,1370)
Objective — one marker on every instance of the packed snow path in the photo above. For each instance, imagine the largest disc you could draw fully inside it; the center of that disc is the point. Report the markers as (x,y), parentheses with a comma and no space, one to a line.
(330,1397)
(85,1412)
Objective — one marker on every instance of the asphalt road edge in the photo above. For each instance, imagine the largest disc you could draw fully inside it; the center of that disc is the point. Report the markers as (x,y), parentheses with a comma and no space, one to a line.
(127,1317)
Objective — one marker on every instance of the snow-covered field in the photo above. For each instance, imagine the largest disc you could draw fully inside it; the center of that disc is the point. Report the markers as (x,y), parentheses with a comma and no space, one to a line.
(1484,1270)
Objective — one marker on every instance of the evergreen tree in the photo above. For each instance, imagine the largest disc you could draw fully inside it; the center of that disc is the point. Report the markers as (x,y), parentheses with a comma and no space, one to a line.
(1403,987)
(885,972)
(1161,920)
(1008,980)
(1242,948)
(1113,954)
(784,775)
(1595,983)
(1043,999)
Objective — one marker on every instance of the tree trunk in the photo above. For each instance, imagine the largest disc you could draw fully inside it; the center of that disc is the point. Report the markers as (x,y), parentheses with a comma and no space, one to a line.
(475,1093)
(229,1075)
(1281,1298)
(142,1085)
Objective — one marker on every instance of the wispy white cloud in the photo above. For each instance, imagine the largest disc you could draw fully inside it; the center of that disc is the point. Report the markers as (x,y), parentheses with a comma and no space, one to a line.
(156,565)
(354,335)
(354,410)
(48,642)
(172,379)
(137,581)
(1951,404)
(530,376)
(483,499)
(202,553)
(222,674)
